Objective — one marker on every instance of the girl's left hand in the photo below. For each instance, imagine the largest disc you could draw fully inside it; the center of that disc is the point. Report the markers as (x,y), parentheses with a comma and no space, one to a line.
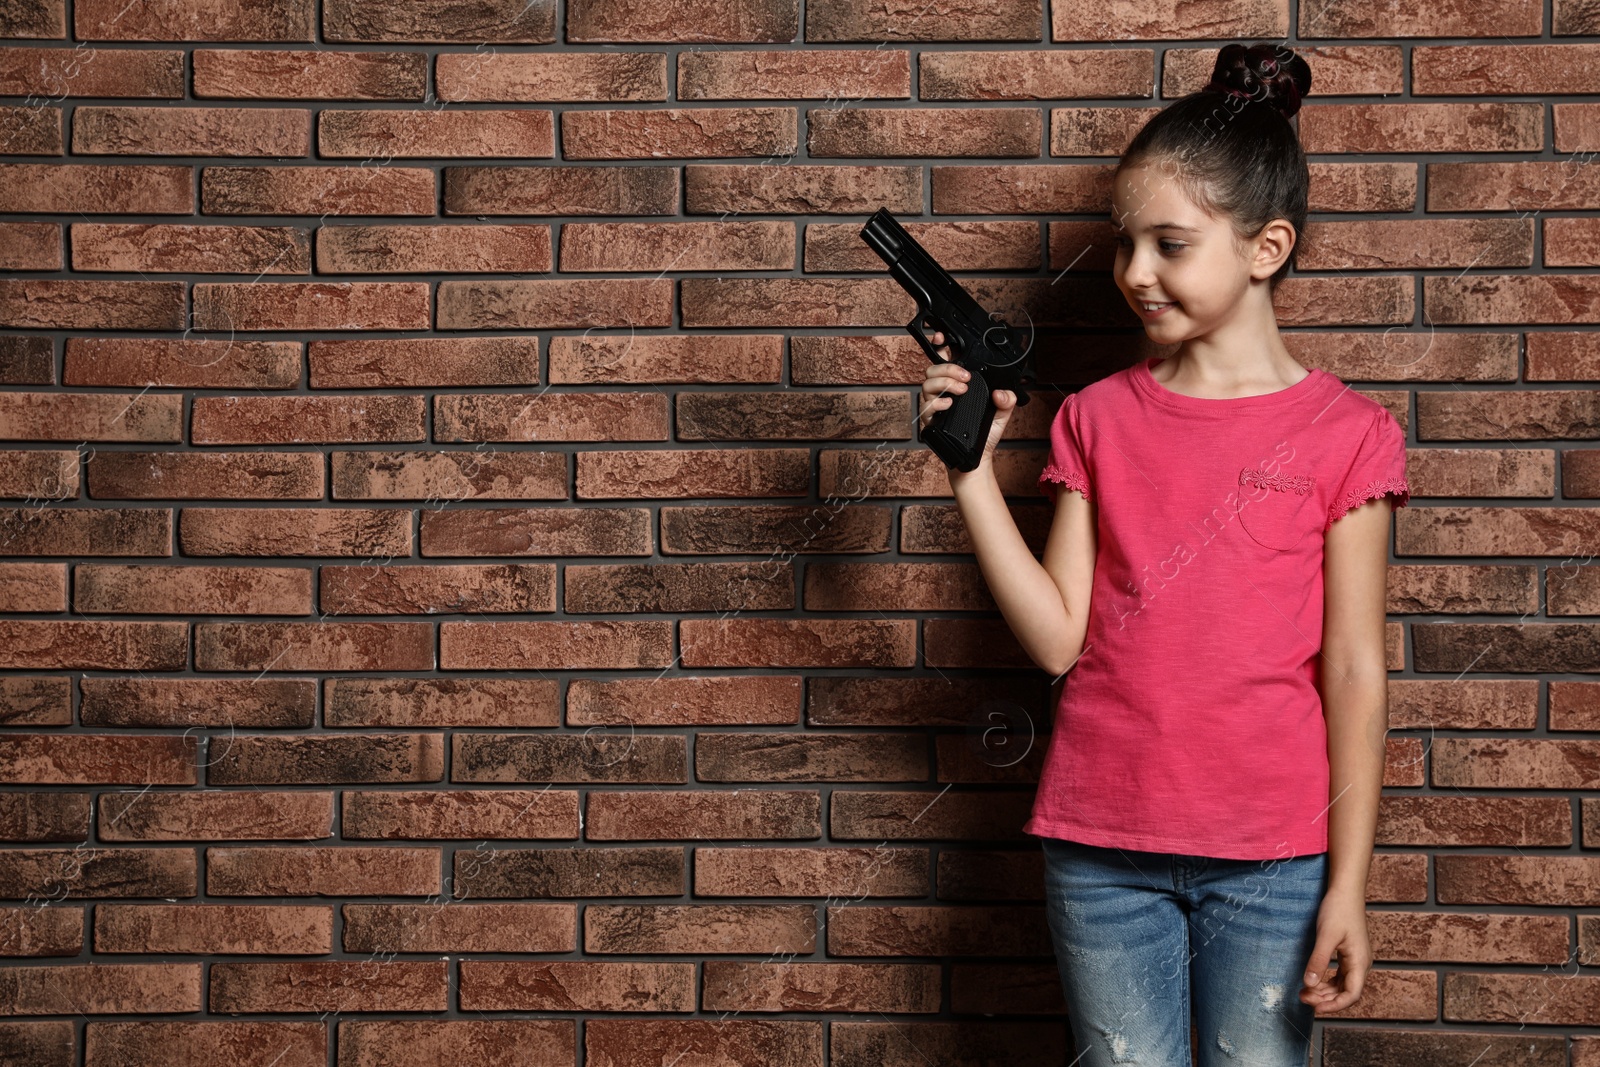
(1341,927)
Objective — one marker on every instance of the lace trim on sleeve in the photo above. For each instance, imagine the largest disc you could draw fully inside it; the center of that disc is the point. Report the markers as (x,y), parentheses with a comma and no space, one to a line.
(1072,479)
(1398,487)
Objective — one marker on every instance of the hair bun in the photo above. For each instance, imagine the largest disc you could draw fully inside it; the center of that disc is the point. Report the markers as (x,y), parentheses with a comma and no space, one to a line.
(1270,73)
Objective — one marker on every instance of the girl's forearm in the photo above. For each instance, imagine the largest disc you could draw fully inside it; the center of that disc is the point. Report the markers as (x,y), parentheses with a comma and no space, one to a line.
(1356,709)
(1042,624)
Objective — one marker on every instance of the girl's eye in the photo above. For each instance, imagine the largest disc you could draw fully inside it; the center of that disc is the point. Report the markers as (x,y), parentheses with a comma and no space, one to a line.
(1123,241)
(1175,246)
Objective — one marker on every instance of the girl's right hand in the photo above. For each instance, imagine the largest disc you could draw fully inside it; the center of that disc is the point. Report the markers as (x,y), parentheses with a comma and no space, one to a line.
(945,380)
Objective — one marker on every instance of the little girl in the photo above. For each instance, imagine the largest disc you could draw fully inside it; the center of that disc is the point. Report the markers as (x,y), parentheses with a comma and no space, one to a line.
(1213,588)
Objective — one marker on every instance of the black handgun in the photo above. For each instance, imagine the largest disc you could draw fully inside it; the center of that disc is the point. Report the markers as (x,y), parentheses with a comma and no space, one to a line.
(983,343)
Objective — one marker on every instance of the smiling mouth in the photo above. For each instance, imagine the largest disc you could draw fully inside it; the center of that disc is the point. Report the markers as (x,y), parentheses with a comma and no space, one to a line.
(1153,309)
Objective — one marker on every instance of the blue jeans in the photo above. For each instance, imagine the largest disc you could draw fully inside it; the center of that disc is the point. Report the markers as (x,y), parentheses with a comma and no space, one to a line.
(1132,930)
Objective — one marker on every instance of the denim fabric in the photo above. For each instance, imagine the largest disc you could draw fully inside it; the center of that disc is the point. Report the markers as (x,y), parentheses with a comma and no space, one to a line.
(1135,931)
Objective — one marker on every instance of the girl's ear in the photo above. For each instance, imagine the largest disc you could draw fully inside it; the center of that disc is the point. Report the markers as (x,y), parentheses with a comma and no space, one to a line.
(1272,247)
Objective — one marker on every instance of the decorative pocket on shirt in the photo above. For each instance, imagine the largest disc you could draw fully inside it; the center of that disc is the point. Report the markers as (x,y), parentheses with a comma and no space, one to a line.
(1272,507)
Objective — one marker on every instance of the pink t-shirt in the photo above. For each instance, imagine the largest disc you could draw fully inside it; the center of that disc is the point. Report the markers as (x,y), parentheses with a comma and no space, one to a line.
(1192,721)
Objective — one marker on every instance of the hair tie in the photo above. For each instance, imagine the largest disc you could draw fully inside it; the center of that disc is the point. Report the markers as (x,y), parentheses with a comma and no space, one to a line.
(1217,87)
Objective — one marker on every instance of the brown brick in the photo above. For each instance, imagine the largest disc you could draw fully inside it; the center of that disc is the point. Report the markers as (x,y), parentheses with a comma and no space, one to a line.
(432,249)
(369,589)
(1347,18)
(576,985)
(325,986)
(935,815)
(700,929)
(206,476)
(199,590)
(554,645)
(1403,244)
(192,20)
(794,302)
(97,759)
(1095,131)
(215,815)
(1463,414)
(833,643)
(43,875)
(745,21)
(1354,1044)
(667,358)
(678,587)
(956,245)
(337,871)
(26,587)
(1559,881)
(638,416)
(198,701)
(200,1044)
(935,132)
(382,533)
(536,531)
(1465,70)
(30,246)
(642,1042)
(178,248)
(898,1044)
(1044,74)
(799,189)
(35,701)
(101,989)
(557,190)
(424,361)
(617,474)
(101,188)
(44,816)
(570,872)
(915,930)
(1494,186)
(1513,763)
(1170,19)
(643,815)
(1513,531)
(86,531)
(553,304)
(714,530)
(31,130)
(486,814)
(418,21)
(305,74)
(1342,70)
(679,246)
(311,306)
(488,1042)
(444,477)
(35,18)
(1455,821)
(551,77)
(1463,589)
(58,73)
(451,927)
(1549,298)
(314,190)
(189,362)
(1459,472)
(740,985)
(39,475)
(1412,127)
(215,929)
(191,131)
(312,645)
(728,700)
(586,757)
(326,759)
(810,757)
(434,134)
(460,701)
(34,930)
(27,360)
(307,419)
(78,304)
(811,872)
(844,74)
(1573,706)
(974,874)
(677,133)
(896,586)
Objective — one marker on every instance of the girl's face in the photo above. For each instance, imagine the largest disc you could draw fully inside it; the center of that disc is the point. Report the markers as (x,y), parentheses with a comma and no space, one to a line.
(1172,253)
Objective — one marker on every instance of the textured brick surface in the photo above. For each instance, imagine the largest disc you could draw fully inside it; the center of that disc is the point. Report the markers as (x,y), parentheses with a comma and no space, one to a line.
(471,590)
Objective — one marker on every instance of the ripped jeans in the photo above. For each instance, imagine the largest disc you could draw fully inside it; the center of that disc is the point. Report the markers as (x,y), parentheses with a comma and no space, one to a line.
(1132,930)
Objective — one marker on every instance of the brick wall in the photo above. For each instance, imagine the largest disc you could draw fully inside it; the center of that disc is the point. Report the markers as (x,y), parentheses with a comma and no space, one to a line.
(472,590)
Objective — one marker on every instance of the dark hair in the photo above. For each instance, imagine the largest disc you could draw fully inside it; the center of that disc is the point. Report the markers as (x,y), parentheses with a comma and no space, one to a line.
(1230,144)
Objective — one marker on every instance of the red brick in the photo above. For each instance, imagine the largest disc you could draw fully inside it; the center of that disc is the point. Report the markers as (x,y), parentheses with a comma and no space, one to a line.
(487,1042)
(104,188)
(576,985)
(536,531)
(699,929)
(215,929)
(76,304)
(740,985)
(703,815)
(551,77)
(451,701)
(96,759)
(423,361)
(191,590)
(647,1042)
(326,759)
(569,872)
(193,20)
(191,131)
(31,130)
(728,700)
(314,645)
(314,190)
(1348,18)
(744,21)
(557,190)
(1170,20)
(188,362)
(418,21)
(434,134)
(101,989)
(451,927)
(307,419)
(811,872)
(311,306)
(27,587)
(215,815)
(432,249)
(552,304)
(42,876)
(585,757)
(799,189)
(554,645)
(677,133)
(295,532)
(231,702)
(461,814)
(57,73)
(336,871)
(33,930)
(304,74)
(942,132)
(843,74)
(174,248)
(30,246)
(329,986)
(40,817)
(201,1044)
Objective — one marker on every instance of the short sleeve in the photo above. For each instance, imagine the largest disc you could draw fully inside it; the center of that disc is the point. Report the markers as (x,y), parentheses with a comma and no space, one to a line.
(1378,470)
(1065,465)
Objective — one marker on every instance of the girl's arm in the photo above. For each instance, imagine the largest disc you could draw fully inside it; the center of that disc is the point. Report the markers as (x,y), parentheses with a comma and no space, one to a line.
(1355,703)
